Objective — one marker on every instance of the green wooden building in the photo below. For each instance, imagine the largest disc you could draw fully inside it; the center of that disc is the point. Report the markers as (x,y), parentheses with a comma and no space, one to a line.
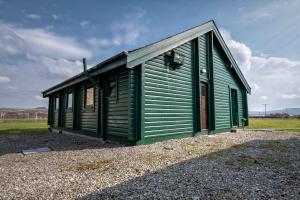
(184,85)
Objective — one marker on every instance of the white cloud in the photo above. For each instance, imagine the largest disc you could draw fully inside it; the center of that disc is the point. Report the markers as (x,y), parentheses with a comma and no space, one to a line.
(40,98)
(10,42)
(37,59)
(85,23)
(273,78)
(15,40)
(263,98)
(290,96)
(45,42)
(56,17)
(254,88)
(103,42)
(4,79)
(274,62)
(262,14)
(126,32)
(241,52)
(33,16)
(11,87)
(60,67)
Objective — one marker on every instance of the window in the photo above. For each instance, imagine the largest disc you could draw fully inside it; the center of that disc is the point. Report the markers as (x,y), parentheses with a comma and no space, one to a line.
(69,100)
(112,88)
(89,96)
(56,106)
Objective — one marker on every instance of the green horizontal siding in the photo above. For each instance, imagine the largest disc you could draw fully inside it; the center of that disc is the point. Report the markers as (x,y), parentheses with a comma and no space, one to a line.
(133,99)
(203,59)
(68,119)
(89,116)
(168,95)
(223,80)
(117,110)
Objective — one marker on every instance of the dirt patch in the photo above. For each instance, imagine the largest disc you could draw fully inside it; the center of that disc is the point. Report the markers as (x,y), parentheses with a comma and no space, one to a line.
(99,165)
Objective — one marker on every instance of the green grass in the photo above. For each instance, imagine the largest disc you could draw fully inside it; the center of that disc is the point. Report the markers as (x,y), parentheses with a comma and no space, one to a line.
(22,126)
(290,124)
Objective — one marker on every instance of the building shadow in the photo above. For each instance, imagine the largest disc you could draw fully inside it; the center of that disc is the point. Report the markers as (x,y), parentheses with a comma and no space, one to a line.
(260,169)
(15,143)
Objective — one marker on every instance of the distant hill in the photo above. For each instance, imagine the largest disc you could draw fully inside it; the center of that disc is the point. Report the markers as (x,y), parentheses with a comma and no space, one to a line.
(290,111)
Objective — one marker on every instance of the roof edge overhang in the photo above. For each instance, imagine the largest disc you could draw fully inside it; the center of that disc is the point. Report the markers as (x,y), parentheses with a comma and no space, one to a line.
(143,54)
(109,64)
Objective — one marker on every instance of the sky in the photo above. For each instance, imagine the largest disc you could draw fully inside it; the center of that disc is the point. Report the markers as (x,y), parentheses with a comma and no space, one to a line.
(43,42)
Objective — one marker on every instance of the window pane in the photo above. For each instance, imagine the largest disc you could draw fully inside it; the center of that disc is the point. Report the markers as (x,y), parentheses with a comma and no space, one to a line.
(70,100)
(56,103)
(112,88)
(89,101)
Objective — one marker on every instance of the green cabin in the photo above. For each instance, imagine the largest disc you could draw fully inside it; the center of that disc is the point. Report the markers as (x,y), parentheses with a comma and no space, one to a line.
(185,85)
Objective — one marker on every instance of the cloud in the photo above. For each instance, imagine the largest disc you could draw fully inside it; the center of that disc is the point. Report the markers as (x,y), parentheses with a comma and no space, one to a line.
(126,32)
(15,40)
(273,78)
(262,14)
(274,61)
(241,52)
(56,17)
(58,66)
(263,98)
(39,98)
(254,88)
(10,87)
(10,42)
(4,79)
(103,42)
(85,23)
(45,42)
(290,96)
(37,59)
(33,16)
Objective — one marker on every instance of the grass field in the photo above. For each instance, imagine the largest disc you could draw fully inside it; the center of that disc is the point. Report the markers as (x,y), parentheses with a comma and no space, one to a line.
(29,126)
(290,124)
(22,126)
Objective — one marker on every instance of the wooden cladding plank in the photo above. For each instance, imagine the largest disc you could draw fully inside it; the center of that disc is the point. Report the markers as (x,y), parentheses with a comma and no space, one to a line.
(223,80)
(168,95)
(117,122)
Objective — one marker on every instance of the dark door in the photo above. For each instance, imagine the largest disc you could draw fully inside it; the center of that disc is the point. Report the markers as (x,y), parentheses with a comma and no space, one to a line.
(203,106)
(234,107)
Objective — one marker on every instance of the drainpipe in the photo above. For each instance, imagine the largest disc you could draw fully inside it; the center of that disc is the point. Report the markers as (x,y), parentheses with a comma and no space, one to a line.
(85,71)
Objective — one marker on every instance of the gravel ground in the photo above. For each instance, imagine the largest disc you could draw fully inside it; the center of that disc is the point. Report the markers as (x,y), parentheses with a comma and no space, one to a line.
(243,165)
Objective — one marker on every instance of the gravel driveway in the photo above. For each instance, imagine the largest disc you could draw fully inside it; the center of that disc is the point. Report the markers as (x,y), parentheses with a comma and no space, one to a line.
(243,165)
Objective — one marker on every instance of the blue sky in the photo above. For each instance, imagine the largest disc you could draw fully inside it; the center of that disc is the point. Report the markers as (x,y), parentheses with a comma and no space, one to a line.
(43,42)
